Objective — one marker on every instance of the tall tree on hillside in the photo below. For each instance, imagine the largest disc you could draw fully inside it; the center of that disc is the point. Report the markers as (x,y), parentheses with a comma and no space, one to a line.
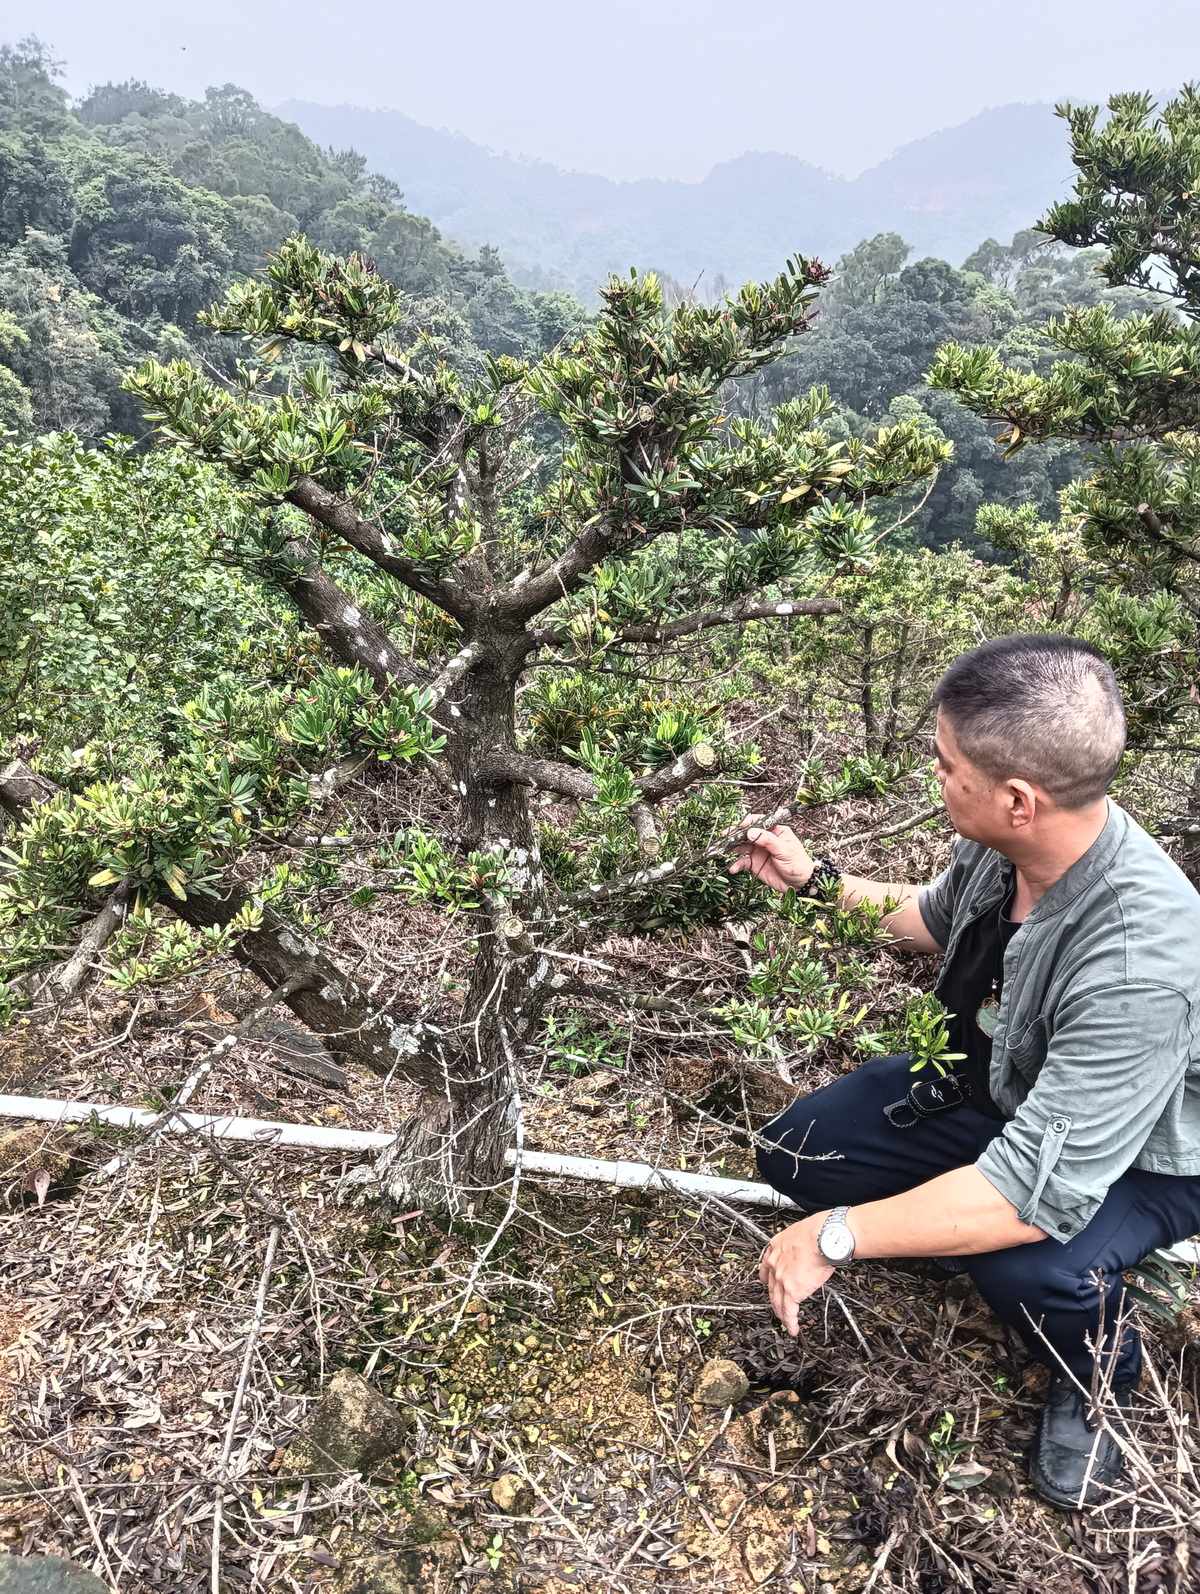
(1129,389)
(651,521)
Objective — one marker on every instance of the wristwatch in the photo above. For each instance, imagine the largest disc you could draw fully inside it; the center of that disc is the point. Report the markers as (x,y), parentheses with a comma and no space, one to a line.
(835,1242)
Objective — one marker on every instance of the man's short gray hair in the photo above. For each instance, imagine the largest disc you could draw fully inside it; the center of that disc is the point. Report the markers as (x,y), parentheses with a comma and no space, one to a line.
(1043,707)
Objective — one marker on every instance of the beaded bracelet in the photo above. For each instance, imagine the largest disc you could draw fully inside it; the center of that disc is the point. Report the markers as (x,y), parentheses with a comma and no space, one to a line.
(825,876)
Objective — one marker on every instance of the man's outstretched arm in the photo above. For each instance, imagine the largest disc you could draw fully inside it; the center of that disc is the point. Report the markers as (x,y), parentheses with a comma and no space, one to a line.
(957,1214)
(780,860)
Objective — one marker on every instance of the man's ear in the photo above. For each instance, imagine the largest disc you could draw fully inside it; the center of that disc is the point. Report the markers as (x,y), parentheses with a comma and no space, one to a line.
(1022,802)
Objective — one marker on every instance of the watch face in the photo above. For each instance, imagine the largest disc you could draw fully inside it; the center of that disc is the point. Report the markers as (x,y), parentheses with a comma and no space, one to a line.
(836,1242)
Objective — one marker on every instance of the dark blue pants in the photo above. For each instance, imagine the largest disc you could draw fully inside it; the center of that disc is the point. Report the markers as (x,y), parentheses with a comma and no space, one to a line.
(1059,1286)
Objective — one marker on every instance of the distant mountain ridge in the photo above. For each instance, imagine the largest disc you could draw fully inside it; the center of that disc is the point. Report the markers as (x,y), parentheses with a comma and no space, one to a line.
(944,193)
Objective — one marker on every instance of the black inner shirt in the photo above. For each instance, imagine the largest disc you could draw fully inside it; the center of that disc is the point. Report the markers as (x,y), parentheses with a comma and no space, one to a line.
(965,984)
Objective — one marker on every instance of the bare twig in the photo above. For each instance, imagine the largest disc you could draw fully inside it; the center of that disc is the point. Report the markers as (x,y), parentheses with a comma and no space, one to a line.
(239,1395)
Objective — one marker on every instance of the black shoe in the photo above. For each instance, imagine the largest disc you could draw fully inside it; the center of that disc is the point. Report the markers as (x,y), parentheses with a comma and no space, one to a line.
(1069,1449)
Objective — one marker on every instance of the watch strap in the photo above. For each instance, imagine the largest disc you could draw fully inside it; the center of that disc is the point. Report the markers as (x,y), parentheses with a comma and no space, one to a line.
(836,1219)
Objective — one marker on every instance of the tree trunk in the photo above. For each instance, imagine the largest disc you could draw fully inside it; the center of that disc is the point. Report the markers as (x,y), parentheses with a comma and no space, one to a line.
(22,788)
(452,1154)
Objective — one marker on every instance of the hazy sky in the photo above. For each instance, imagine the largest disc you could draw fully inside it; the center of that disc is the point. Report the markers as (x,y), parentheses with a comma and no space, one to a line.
(637,88)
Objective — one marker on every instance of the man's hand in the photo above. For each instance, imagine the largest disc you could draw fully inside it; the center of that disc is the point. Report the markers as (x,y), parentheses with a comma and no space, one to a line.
(792,1268)
(776,857)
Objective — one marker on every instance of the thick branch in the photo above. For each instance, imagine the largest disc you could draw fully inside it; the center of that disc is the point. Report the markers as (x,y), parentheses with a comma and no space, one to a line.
(693,765)
(349,634)
(543,773)
(453,672)
(731,614)
(547,775)
(340,516)
(60,983)
(22,789)
(529,595)
(328,1002)
(644,828)
(749,608)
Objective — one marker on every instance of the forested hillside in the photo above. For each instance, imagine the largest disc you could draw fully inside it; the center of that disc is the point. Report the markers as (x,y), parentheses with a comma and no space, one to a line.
(386,1041)
(124,216)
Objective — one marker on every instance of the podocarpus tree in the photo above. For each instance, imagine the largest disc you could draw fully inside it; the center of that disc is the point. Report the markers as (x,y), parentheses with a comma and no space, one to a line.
(1129,389)
(590,506)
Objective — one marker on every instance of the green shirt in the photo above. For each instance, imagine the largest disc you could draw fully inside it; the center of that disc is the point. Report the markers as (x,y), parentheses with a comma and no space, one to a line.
(1096,1057)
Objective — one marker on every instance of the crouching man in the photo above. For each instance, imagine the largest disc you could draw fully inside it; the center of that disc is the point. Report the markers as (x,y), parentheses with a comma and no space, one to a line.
(1066,1146)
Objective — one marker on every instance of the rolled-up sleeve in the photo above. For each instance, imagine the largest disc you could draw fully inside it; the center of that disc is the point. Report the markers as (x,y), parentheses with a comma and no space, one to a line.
(936,902)
(1116,1059)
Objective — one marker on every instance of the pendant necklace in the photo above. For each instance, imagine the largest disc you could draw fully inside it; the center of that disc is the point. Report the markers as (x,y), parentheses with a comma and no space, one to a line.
(988,1016)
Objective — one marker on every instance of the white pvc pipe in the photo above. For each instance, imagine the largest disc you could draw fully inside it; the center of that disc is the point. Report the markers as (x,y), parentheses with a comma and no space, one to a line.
(232,1128)
(640,1176)
(621,1175)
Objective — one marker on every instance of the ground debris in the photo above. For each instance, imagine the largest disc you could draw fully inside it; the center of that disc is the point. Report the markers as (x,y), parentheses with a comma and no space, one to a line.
(574,1362)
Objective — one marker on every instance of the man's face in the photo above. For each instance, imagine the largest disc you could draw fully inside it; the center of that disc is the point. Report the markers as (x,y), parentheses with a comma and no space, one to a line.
(969,795)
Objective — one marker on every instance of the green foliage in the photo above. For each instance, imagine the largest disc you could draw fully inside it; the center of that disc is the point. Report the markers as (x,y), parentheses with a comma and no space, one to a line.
(637,401)
(1134,193)
(867,673)
(111,603)
(312,298)
(148,952)
(425,872)
(1128,388)
(860,775)
(705,896)
(169,825)
(813,965)
(560,709)
(919,1029)
(579,1046)
(945,1447)
(345,389)
(880,326)
(565,710)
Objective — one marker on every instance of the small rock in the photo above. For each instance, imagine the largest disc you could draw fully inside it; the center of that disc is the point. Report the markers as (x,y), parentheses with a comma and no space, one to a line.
(47,1574)
(352,1428)
(780,1419)
(721,1383)
(601,1081)
(512,1495)
(763,1553)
